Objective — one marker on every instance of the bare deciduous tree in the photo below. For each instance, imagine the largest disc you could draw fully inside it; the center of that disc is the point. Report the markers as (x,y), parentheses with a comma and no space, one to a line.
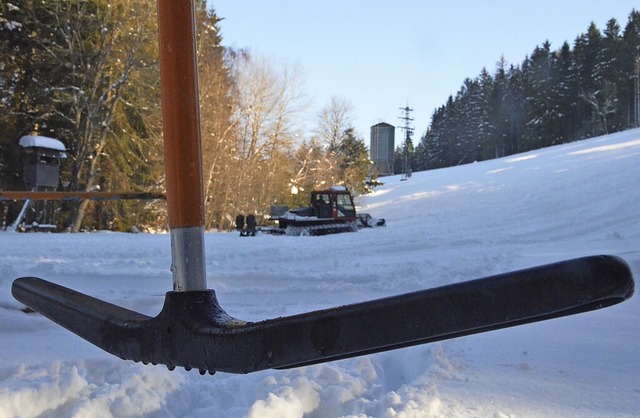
(333,121)
(255,172)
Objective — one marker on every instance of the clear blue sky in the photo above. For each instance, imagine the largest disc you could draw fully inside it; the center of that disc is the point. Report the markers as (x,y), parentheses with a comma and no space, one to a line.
(383,55)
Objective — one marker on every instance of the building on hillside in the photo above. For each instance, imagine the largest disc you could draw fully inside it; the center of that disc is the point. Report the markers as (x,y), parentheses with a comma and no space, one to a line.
(42,157)
(383,147)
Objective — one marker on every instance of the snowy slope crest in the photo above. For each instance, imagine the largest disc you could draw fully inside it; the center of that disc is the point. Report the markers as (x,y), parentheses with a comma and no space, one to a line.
(444,226)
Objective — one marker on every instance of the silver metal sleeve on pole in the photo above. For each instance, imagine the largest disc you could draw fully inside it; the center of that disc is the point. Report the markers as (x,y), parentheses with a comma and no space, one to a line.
(187,259)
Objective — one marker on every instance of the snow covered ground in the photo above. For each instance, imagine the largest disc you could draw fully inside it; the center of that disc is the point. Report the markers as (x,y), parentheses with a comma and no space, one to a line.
(444,226)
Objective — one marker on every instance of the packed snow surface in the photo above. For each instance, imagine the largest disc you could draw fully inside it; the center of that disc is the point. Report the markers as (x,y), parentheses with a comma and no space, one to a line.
(41,142)
(443,226)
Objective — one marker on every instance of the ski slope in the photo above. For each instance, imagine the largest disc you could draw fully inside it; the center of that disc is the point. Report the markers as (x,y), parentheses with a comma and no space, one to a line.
(444,226)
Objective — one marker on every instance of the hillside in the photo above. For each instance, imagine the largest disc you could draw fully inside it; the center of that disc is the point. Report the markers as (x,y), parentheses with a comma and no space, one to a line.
(444,226)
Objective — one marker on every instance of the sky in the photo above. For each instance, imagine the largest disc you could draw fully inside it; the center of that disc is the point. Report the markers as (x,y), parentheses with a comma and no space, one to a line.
(383,55)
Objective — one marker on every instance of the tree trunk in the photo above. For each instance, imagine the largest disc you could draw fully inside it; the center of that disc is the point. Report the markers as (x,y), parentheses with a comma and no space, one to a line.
(77,222)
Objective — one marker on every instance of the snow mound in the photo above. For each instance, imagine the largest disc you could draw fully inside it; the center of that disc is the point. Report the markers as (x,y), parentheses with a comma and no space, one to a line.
(41,142)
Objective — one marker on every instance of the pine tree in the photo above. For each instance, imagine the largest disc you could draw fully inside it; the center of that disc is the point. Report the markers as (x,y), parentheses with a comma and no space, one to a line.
(565,100)
(606,74)
(629,62)
(586,51)
(354,162)
(216,108)
(486,137)
(498,112)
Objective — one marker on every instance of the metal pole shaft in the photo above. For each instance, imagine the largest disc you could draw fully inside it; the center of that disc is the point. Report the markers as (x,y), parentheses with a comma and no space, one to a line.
(182,142)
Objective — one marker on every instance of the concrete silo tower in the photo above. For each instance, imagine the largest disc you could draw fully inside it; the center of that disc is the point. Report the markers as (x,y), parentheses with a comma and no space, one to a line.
(383,147)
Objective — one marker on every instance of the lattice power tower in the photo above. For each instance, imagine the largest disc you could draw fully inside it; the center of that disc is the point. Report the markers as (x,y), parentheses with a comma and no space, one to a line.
(407,147)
